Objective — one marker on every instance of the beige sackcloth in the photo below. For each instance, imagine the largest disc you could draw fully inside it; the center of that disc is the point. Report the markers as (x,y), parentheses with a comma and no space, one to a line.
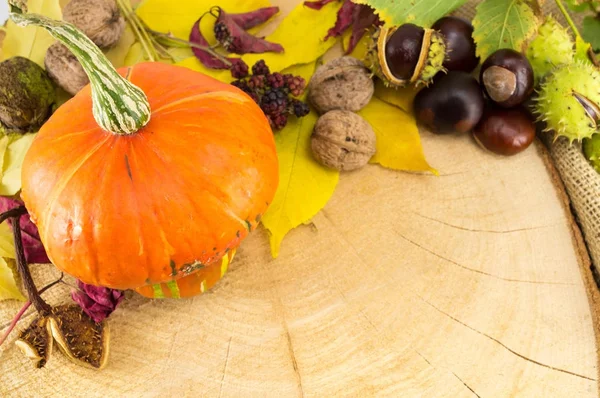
(475,283)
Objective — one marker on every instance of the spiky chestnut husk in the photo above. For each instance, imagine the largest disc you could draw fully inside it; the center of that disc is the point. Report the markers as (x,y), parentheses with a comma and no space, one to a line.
(591,150)
(430,62)
(568,101)
(553,46)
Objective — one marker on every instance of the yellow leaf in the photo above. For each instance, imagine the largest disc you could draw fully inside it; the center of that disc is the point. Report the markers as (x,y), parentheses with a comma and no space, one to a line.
(31,42)
(178,18)
(402,97)
(13,160)
(8,277)
(360,51)
(398,141)
(301,34)
(3,148)
(116,54)
(304,185)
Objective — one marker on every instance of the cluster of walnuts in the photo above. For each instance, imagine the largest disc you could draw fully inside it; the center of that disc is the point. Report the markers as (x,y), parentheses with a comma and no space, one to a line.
(341,139)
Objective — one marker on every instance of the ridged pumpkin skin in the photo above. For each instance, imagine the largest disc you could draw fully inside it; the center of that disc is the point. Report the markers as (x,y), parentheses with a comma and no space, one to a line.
(190,285)
(123,211)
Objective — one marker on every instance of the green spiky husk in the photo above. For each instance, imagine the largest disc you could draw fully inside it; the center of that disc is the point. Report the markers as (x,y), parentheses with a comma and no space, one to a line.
(591,150)
(553,46)
(435,59)
(424,73)
(557,106)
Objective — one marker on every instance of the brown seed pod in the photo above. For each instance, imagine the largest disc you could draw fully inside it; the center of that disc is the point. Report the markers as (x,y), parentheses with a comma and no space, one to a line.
(342,140)
(100,20)
(64,69)
(82,340)
(343,83)
(36,341)
(406,54)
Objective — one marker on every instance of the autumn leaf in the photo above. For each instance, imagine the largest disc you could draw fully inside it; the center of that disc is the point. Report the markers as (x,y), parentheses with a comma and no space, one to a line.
(12,155)
(8,277)
(503,24)
(398,141)
(419,12)
(304,185)
(400,97)
(582,49)
(178,18)
(117,54)
(31,42)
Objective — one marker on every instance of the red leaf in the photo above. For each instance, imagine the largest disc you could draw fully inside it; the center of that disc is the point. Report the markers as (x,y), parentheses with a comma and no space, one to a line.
(34,249)
(207,59)
(248,20)
(364,18)
(317,5)
(236,40)
(98,302)
(345,18)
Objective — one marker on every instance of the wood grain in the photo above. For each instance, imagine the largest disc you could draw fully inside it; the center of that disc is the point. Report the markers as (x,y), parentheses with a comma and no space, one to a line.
(470,284)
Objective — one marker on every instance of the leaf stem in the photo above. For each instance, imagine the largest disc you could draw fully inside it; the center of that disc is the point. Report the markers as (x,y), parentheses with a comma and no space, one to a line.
(138,29)
(565,13)
(34,296)
(22,311)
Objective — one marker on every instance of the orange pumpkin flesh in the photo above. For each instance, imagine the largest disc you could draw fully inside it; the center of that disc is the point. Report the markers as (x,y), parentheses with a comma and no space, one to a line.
(123,211)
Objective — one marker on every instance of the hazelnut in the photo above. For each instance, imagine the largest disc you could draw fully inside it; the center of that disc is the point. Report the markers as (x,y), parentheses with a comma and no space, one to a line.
(100,20)
(343,140)
(64,69)
(344,83)
(506,77)
(453,103)
(505,131)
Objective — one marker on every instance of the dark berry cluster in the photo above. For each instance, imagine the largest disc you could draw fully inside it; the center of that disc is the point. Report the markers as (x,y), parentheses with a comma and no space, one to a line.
(274,92)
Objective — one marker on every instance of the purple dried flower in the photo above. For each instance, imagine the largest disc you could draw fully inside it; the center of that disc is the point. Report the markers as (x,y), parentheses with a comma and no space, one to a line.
(96,301)
(34,250)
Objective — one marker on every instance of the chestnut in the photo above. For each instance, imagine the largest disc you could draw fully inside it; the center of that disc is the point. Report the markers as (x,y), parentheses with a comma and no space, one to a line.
(453,103)
(507,78)
(505,131)
(403,49)
(460,46)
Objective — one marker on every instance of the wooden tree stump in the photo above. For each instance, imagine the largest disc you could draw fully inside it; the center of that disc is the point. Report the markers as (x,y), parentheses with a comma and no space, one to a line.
(475,283)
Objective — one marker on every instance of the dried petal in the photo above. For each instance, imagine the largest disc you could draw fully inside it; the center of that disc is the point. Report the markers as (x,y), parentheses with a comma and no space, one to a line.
(82,340)
(236,40)
(34,249)
(317,5)
(96,301)
(345,18)
(36,342)
(249,20)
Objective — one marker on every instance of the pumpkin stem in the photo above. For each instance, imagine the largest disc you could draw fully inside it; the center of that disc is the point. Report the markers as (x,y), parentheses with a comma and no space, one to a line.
(119,106)
(34,296)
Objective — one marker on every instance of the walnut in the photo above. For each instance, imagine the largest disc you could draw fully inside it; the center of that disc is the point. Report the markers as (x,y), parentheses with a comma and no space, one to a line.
(64,69)
(343,140)
(344,83)
(100,20)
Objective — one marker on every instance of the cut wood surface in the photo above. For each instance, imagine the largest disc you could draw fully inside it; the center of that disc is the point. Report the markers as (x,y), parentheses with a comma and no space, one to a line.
(471,284)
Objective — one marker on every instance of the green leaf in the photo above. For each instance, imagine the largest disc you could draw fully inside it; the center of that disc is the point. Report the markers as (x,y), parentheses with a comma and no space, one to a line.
(503,24)
(582,49)
(31,42)
(304,185)
(419,12)
(14,153)
(591,31)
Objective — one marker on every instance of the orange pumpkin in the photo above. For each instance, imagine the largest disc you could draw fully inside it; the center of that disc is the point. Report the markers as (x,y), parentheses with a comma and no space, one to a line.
(147,175)
(190,285)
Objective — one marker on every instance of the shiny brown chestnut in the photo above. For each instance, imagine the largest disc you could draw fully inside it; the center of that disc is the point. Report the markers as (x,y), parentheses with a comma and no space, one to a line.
(403,50)
(454,103)
(460,46)
(507,78)
(505,131)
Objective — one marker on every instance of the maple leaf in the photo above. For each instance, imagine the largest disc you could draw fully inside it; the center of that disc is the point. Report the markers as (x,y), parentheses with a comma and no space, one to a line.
(503,24)
(419,12)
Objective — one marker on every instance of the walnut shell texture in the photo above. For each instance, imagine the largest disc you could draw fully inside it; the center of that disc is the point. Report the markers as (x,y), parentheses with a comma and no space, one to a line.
(100,20)
(64,69)
(344,83)
(343,140)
